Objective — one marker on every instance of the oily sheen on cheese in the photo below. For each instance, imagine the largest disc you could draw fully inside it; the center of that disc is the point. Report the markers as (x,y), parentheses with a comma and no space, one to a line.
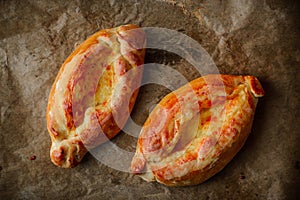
(196,130)
(94,92)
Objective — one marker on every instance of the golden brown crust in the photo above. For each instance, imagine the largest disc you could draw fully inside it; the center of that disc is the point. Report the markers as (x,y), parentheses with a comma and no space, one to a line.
(94,92)
(196,130)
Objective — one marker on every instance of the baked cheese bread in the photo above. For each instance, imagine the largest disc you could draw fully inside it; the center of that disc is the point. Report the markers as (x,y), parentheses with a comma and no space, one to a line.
(94,92)
(196,130)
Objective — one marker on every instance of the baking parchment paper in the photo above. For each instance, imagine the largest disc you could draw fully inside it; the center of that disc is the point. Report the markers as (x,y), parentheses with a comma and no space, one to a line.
(259,38)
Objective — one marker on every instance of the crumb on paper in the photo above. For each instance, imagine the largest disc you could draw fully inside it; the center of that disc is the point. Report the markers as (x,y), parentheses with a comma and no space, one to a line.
(33,157)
